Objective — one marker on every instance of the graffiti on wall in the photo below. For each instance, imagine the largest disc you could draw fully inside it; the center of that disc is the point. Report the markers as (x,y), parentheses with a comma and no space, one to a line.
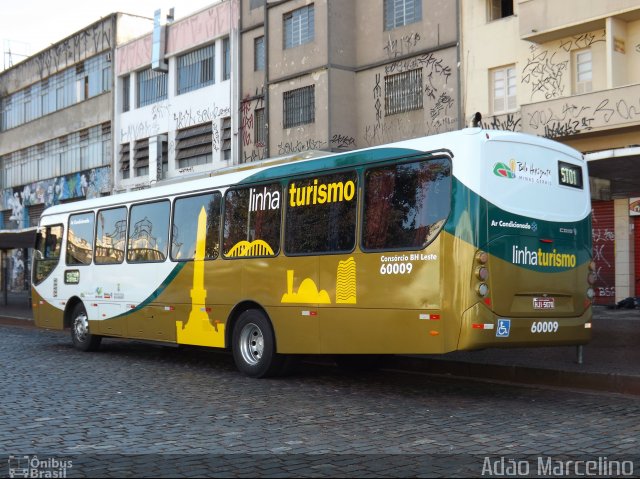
(83,184)
(396,47)
(581,115)
(438,101)
(508,122)
(252,148)
(546,70)
(80,46)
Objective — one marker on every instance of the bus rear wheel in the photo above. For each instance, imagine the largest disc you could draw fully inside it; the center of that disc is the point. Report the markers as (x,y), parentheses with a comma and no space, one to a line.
(254,345)
(81,338)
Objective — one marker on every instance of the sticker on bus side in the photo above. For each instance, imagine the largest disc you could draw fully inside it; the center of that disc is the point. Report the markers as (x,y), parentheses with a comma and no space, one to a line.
(504,328)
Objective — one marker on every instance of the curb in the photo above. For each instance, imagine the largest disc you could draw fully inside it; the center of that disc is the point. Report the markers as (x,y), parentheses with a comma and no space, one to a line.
(613,383)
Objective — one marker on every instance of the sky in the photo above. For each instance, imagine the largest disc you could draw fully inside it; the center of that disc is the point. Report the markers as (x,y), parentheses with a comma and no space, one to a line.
(29,26)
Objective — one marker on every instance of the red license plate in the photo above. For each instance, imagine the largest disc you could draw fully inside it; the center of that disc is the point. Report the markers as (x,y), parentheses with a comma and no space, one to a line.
(544,303)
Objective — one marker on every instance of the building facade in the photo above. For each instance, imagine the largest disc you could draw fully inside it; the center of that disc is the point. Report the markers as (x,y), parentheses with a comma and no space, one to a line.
(174,96)
(55,132)
(569,71)
(335,75)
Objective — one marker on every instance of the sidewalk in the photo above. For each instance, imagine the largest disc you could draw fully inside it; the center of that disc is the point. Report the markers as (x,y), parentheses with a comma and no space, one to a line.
(611,361)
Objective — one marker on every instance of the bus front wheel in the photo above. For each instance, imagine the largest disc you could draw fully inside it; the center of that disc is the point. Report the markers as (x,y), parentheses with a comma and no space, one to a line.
(254,345)
(81,338)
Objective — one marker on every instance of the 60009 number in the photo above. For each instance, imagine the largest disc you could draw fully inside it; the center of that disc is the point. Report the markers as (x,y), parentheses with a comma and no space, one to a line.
(545,327)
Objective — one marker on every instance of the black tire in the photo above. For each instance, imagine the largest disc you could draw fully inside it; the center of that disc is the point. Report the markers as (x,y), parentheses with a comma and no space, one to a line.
(81,338)
(254,345)
(359,362)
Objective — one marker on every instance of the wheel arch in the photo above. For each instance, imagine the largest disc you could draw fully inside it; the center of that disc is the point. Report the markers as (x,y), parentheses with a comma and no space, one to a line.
(68,310)
(235,313)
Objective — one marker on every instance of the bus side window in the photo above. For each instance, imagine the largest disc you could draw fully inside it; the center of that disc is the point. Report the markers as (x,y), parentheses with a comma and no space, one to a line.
(321,214)
(252,221)
(80,239)
(186,221)
(405,205)
(148,232)
(111,234)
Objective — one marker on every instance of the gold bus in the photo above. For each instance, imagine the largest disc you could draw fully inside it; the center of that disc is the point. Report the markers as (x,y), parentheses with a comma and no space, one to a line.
(465,240)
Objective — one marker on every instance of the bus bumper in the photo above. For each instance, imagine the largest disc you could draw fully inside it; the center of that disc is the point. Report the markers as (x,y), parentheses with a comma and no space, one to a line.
(481,328)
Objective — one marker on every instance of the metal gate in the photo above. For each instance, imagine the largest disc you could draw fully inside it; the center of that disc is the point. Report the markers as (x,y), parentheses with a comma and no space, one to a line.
(604,251)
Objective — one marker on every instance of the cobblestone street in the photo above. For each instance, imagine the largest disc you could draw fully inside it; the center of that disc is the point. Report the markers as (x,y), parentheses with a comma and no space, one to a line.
(145,410)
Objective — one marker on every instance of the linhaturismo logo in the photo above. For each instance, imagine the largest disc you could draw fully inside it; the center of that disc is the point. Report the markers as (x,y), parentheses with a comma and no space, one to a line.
(32,466)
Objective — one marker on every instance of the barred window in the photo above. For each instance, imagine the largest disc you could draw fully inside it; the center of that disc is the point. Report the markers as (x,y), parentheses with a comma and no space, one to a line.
(194,145)
(152,87)
(196,69)
(258,54)
(142,157)
(299,106)
(403,92)
(65,88)
(124,160)
(226,59)
(126,93)
(261,128)
(401,12)
(299,27)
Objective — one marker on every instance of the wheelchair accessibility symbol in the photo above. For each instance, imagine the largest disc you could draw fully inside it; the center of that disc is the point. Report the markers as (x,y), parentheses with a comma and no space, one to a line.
(504,326)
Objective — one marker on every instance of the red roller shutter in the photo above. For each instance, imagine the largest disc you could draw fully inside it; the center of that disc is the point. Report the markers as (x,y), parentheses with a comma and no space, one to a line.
(604,251)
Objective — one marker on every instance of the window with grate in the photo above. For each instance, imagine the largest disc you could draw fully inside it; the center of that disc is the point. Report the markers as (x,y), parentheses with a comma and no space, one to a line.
(226,59)
(141,158)
(152,87)
(124,160)
(126,92)
(226,138)
(258,54)
(403,92)
(164,159)
(194,145)
(401,12)
(299,106)
(299,27)
(261,128)
(196,69)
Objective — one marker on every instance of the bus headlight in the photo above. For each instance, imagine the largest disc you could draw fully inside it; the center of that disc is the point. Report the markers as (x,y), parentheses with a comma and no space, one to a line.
(591,293)
(591,278)
(482,289)
(592,265)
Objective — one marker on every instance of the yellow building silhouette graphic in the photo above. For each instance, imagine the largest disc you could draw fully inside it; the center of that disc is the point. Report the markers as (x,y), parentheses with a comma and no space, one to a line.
(198,330)
(307,292)
(346,282)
